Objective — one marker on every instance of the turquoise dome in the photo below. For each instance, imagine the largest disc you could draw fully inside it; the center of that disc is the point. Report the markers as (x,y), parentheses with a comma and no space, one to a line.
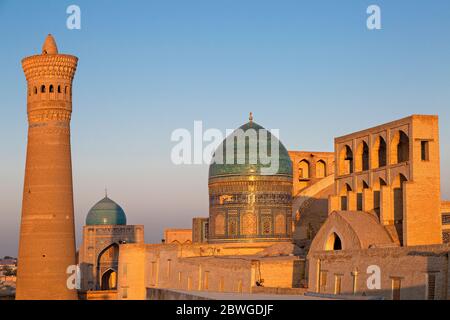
(106,212)
(247,169)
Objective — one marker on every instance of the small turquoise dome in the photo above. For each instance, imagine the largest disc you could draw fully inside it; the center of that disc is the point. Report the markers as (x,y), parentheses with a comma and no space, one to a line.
(247,169)
(106,212)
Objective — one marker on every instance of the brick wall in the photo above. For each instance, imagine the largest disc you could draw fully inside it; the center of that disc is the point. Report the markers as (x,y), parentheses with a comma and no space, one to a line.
(414,267)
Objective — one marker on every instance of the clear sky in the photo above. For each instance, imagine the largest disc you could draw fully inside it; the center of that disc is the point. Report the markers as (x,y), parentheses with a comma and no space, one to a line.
(309,68)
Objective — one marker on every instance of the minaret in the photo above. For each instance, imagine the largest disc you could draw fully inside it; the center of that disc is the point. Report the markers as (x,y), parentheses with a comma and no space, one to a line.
(47,232)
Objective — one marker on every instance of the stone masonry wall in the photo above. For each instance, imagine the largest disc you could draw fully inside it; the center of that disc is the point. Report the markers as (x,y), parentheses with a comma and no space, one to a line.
(411,266)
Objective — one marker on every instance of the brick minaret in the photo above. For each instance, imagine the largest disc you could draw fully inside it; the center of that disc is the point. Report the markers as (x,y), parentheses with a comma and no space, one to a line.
(47,233)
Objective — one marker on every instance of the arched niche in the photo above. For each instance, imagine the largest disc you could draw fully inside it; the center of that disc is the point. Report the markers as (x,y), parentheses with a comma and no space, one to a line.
(321,169)
(345,160)
(109,280)
(303,170)
(333,243)
(379,153)
(399,147)
(362,157)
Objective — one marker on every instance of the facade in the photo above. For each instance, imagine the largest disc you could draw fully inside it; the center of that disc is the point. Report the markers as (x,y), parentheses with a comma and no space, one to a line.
(106,228)
(47,232)
(178,236)
(313,176)
(356,231)
(389,170)
(406,273)
(228,267)
(385,216)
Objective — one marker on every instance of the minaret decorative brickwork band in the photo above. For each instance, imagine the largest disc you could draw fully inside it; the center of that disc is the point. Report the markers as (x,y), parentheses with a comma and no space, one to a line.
(47,232)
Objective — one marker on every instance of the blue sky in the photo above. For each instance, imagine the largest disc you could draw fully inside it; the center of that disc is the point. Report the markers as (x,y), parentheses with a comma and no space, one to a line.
(309,68)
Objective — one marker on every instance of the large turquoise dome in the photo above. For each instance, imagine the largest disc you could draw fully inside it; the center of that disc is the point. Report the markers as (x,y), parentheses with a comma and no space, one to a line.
(247,169)
(106,212)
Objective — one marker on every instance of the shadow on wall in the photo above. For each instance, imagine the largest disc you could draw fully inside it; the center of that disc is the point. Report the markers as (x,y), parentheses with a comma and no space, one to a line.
(298,274)
(410,293)
(313,214)
(404,273)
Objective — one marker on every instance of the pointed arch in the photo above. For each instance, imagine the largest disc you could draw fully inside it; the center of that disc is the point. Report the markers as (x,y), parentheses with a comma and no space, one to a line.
(107,259)
(379,153)
(109,280)
(219,224)
(362,157)
(345,160)
(303,170)
(249,223)
(399,147)
(321,169)
(109,254)
(333,243)
(280,223)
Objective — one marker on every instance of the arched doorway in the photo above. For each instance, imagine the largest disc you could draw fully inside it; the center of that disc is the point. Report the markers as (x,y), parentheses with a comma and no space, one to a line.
(107,263)
(109,280)
(344,196)
(333,243)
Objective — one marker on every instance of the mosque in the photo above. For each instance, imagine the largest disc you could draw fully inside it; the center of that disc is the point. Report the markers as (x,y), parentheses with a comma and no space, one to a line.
(307,229)
(106,228)
(318,226)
